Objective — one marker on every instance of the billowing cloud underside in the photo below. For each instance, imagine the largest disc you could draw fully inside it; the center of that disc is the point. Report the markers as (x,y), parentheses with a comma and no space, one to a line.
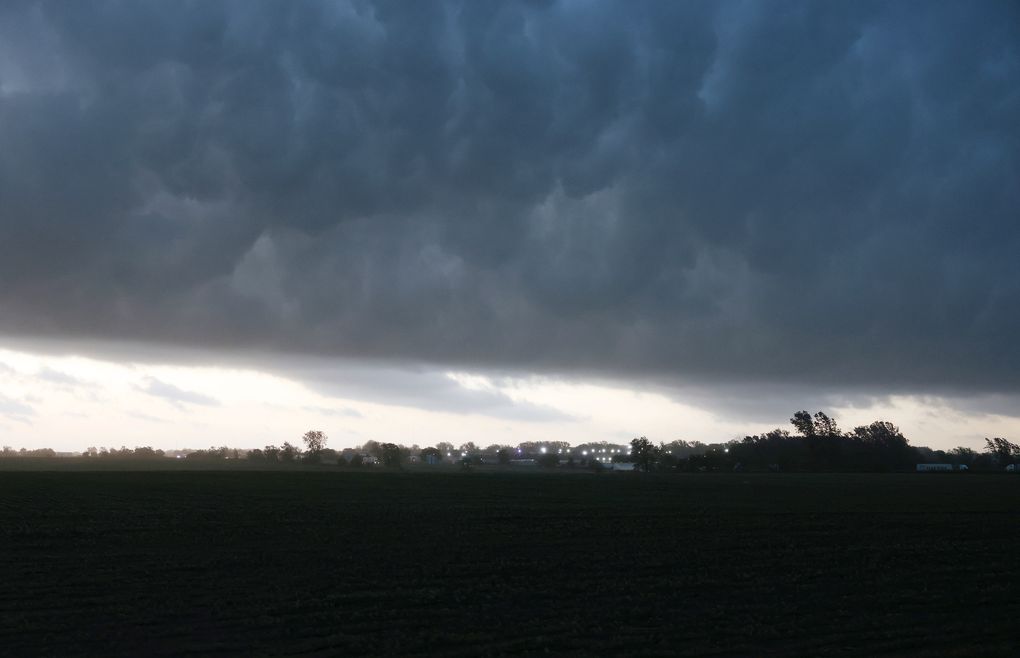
(780,191)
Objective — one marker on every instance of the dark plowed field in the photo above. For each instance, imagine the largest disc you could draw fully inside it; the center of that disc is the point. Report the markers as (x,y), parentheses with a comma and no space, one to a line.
(319,563)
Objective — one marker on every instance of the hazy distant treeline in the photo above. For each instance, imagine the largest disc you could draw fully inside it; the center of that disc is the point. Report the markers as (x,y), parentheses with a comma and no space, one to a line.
(9,452)
(816,444)
(144,452)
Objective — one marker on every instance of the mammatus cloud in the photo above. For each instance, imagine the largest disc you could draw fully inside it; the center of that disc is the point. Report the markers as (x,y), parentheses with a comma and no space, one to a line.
(808,192)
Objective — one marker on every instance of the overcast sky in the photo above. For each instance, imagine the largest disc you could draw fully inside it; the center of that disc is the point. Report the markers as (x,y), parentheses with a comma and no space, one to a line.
(231,221)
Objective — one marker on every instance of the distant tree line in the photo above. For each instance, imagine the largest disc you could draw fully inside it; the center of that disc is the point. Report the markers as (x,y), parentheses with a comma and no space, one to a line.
(10,453)
(144,452)
(316,452)
(214,454)
(816,444)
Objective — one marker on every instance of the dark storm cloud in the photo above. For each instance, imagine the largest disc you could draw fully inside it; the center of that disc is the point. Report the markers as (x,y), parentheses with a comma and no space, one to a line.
(772,192)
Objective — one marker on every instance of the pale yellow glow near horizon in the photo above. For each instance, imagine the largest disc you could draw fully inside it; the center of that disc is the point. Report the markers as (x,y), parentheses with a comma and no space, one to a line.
(73,402)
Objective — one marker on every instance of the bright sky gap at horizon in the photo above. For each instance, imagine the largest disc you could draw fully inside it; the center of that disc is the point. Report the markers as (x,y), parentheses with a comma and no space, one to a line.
(505,222)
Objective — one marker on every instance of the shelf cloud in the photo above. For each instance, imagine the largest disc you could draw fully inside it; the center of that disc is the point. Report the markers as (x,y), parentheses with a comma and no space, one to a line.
(787,192)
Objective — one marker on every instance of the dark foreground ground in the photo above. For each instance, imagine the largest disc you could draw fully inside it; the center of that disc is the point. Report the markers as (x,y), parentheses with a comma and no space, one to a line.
(322,563)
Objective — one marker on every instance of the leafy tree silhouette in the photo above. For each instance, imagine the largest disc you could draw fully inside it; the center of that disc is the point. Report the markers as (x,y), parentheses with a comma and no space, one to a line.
(315,440)
(1005,452)
(644,453)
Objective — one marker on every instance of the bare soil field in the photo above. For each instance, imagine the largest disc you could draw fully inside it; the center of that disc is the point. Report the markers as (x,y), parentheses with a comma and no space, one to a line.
(325,562)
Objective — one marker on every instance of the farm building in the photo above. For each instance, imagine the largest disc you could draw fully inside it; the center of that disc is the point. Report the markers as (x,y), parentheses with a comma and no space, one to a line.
(923,468)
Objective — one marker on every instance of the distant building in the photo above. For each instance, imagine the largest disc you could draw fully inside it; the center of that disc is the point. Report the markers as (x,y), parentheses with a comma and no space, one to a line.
(923,468)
